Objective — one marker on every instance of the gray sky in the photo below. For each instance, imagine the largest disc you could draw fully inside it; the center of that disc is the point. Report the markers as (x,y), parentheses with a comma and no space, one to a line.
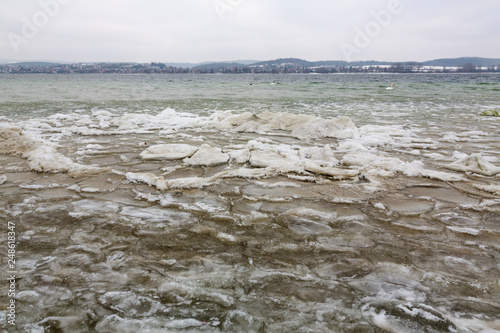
(221,30)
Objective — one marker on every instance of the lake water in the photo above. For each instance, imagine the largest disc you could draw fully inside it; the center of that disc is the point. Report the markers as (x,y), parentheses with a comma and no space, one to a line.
(251,203)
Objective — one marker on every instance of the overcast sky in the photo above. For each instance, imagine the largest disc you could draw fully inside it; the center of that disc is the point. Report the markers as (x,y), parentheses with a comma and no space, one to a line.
(222,30)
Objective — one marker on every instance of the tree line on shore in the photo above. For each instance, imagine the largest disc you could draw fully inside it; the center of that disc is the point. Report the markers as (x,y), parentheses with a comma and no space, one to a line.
(278,66)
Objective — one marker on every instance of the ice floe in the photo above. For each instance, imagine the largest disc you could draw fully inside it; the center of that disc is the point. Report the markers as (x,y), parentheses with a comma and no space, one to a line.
(207,156)
(168,152)
(474,163)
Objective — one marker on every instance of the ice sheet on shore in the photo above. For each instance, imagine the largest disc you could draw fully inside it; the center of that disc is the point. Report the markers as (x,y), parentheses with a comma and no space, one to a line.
(41,156)
(265,160)
(357,149)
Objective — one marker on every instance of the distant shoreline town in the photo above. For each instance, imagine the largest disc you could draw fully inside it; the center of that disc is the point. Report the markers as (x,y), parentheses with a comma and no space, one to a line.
(278,66)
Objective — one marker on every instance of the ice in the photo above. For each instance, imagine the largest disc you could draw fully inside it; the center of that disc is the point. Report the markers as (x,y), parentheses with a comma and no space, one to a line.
(465,230)
(384,166)
(474,163)
(155,215)
(307,221)
(451,137)
(237,320)
(323,154)
(477,324)
(193,290)
(409,318)
(300,126)
(130,304)
(251,222)
(441,193)
(408,207)
(168,119)
(461,264)
(88,207)
(164,184)
(28,296)
(240,155)
(495,189)
(184,323)
(436,156)
(47,159)
(101,113)
(40,155)
(227,120)
(70,323)
(115,323)
(168,152)
(336,173)
(358,158)
(351,145)
(284,159)
(14,142)
(224,237)
(391,281)
(341,128)
(417,223)
(207,156)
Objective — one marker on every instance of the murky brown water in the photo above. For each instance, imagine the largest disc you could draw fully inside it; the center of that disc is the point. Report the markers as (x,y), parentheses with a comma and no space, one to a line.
(273,222)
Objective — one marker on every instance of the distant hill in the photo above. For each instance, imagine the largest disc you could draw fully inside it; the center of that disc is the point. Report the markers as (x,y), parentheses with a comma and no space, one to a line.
(459,62)
(289,62)
(451,62)
(220,65)
(295,62)
(283,62)
(211,63)
(35,64)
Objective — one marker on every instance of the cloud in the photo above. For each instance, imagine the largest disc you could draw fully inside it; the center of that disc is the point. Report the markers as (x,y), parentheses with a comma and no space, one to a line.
(198,30)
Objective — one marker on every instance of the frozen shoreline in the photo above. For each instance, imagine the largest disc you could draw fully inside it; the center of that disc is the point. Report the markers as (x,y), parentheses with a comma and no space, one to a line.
(240,221)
